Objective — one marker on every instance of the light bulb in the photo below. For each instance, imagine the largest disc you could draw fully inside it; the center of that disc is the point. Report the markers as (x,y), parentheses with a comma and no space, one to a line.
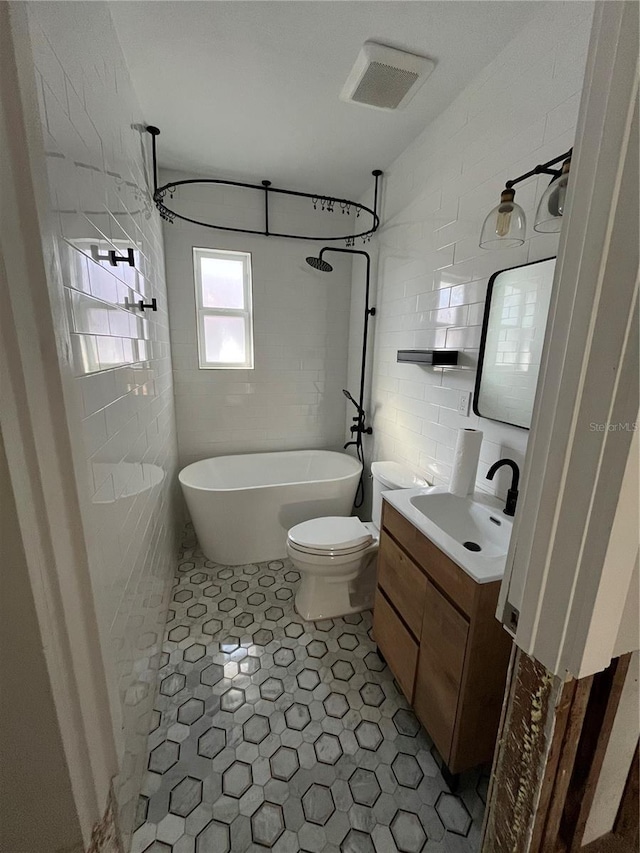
(505,209)
(505,226)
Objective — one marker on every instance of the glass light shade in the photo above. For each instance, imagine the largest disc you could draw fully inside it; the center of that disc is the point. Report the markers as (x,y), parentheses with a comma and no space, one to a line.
(551,208)
(506,224)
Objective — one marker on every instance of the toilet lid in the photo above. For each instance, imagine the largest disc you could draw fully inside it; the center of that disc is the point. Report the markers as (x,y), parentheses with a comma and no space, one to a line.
(330,534)
(395,476)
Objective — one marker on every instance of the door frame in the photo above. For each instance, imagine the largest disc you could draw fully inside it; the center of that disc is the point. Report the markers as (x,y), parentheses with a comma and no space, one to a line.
(38,444)
(574,547)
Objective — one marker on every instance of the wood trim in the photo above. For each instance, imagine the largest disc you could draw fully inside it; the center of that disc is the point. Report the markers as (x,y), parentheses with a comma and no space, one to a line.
(549,760)
(563,713)
(510,677)
(594,738)
(105,836)
(559,788)
(524,744)
(575,759)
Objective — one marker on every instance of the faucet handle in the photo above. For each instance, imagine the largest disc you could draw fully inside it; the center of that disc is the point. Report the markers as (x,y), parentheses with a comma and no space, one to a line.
(511,502)
(512,493)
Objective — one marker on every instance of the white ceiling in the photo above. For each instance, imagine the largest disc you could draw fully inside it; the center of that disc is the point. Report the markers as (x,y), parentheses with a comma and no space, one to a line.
(249,90)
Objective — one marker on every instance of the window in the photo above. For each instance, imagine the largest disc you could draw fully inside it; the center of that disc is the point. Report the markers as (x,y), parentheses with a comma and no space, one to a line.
(224,308)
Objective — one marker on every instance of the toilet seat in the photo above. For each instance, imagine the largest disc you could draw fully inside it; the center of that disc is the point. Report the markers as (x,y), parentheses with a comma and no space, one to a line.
(331,536)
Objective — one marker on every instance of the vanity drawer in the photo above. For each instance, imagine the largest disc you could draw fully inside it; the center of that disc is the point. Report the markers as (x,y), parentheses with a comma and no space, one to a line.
(397,645)
(447,575)
(403,583)
(398,526)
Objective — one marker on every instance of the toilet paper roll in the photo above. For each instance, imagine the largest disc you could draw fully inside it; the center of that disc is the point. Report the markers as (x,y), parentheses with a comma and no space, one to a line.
(465,462)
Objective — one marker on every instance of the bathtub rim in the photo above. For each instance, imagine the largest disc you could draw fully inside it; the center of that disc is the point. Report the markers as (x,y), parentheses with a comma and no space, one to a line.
(356,472)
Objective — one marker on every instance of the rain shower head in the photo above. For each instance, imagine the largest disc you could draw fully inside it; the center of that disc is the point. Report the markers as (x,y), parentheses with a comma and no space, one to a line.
(319,264)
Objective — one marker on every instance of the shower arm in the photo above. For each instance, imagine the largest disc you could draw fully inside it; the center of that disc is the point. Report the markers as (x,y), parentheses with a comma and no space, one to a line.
(360,426)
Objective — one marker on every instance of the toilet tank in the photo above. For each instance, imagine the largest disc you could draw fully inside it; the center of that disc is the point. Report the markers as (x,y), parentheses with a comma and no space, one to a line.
(390,475)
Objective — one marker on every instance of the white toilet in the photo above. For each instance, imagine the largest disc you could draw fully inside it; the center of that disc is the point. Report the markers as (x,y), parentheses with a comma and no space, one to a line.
(336,556)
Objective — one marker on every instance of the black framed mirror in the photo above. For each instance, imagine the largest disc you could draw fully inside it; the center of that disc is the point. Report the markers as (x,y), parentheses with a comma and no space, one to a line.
(513,329)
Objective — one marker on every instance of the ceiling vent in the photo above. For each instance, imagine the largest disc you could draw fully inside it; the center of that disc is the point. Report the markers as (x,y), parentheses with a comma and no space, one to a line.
(384,77)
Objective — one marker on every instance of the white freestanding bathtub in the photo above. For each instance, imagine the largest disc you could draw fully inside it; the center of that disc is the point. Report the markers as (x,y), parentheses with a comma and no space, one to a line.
(243,506)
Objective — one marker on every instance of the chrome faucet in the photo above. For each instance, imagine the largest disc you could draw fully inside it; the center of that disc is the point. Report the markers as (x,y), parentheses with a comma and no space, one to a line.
(512,493)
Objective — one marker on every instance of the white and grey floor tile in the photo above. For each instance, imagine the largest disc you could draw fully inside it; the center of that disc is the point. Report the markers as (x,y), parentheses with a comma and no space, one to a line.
(272,733)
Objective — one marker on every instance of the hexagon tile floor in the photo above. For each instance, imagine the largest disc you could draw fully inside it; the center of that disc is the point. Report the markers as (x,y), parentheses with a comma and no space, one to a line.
(272,733)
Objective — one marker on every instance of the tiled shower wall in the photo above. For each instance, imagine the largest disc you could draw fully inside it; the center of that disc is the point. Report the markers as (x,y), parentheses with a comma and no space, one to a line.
(520,111)
(292,399)
(120,402)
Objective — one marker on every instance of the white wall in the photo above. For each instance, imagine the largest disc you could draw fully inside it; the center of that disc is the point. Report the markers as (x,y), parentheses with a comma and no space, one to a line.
(38,809)
(520,111)
(292,399)
(116,361)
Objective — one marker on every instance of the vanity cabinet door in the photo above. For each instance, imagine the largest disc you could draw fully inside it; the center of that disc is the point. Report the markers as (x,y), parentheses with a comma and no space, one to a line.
(403,583)
(440,664)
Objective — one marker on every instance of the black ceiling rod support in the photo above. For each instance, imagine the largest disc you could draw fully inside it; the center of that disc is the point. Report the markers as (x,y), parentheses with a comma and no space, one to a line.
(376,176)
(155,132)
(542,169)
(266,185)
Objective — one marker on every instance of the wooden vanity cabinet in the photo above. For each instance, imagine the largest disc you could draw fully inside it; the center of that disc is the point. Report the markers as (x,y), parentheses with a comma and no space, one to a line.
(436,628)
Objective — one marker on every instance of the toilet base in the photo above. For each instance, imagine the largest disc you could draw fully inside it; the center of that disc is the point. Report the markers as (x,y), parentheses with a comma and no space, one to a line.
(322,597)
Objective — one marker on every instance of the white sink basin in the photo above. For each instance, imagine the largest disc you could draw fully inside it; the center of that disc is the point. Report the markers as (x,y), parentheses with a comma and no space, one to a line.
(474,532)
(477,527)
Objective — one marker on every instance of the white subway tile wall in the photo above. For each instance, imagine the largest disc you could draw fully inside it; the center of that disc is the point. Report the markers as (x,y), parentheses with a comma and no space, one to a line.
(292,399)
(121,410)
(520,111)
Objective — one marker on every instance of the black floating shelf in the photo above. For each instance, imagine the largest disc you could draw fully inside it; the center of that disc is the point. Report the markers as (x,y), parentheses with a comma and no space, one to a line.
(429,357)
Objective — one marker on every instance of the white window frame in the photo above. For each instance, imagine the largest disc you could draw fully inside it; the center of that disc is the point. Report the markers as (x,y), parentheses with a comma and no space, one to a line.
(204,311)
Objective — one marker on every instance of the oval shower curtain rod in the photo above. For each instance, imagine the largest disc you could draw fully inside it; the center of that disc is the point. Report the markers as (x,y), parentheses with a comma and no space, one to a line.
(325,203)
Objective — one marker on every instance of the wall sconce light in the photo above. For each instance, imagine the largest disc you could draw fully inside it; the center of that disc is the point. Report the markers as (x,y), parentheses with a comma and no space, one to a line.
(506,225)
(551,207)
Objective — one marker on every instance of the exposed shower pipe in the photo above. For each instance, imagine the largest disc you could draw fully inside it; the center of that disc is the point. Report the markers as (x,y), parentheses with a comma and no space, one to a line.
(360,427)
